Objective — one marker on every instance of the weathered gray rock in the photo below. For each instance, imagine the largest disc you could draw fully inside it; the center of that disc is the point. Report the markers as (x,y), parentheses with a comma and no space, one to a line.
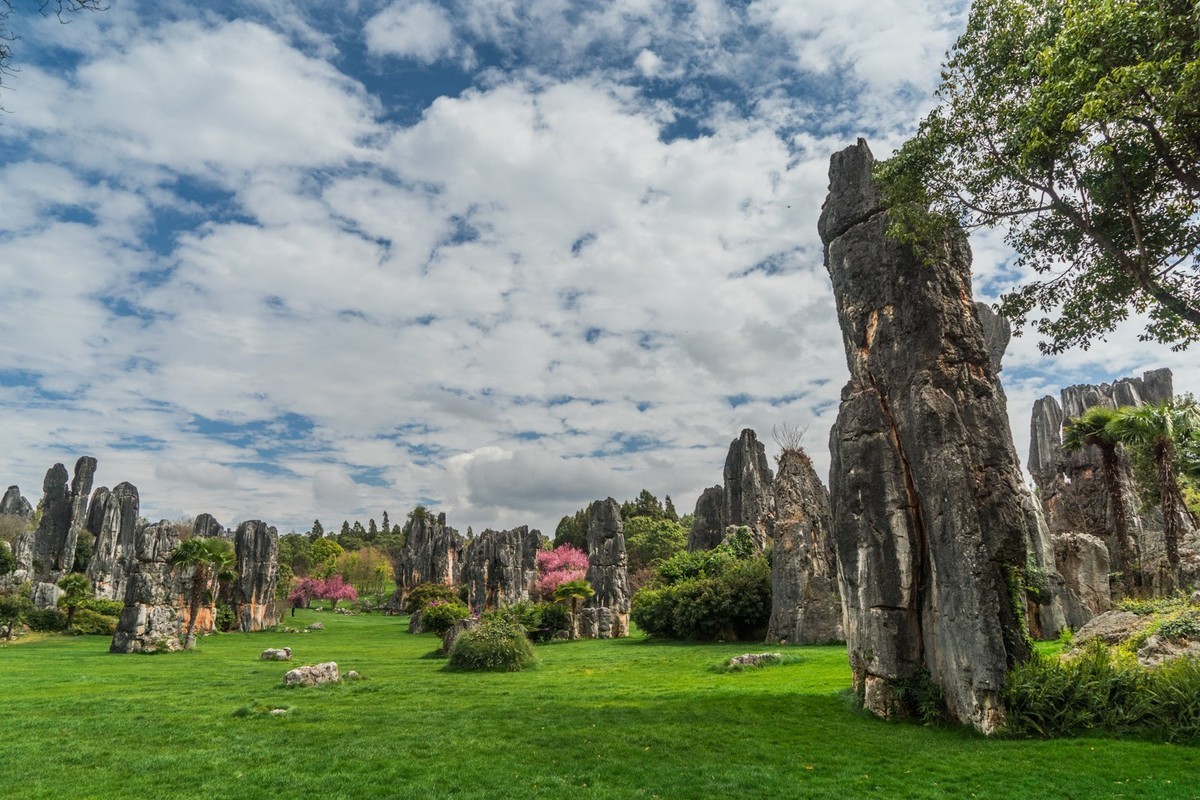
(205,526)
(95,510)
(49,552)
(16,505)
(1158,651)
(45,595)
(276,654)
(605,615)
(313,675)
(708,526)
(500,567)
(252,593)
(156,596)
(806,607)
(925,486)
(432,554)
(755,659)
(748,488)
(1082,560)
(1111,627)
(997,332)
(116,540)
(1073,489)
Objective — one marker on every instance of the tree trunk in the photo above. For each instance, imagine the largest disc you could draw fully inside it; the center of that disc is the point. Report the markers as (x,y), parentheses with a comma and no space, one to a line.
(1120,519)
(194,608)
(1164,458)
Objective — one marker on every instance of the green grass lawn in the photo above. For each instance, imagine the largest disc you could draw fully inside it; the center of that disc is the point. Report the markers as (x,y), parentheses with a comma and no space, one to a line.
(627,718)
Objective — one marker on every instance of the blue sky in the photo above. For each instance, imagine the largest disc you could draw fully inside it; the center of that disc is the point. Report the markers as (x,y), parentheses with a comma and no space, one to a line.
(500,257)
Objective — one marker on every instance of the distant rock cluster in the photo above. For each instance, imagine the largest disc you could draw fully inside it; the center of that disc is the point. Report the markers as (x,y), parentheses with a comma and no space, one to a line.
(130,560)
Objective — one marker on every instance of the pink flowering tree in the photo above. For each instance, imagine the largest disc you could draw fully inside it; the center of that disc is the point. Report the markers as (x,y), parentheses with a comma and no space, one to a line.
(563,564)
(304,591)
(336,589)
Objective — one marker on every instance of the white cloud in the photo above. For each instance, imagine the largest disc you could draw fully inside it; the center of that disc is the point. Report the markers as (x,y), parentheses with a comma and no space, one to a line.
(417,30)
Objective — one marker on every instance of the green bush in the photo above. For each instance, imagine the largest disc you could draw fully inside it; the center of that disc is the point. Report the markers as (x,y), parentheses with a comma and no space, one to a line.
(14,608)
(439,616)
(497,645)
(696,564)
(226,620)
(46,619)
(1103,690)
(87,621)
(423,593)
(107,608)
(1184,627)
(8,561)
(732,604)
(555,617)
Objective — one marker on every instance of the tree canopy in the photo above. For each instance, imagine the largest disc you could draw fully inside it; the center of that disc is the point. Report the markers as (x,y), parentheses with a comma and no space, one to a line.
(1075,126)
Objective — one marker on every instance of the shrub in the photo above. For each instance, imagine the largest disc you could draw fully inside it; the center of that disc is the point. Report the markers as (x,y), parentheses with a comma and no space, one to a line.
(439,616)
(696,564)
(46,619)
(554,618)
(732,604)
(107,608)
(497,645)
(14,609)
(1184,627)
(1104,690)
(87,621)
(8,561)
(421,594)
(226,620)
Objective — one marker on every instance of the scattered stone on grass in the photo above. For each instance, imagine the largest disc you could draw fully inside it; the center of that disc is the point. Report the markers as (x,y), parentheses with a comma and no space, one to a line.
(273,654)
(313,675)
(755,659)
(316,626)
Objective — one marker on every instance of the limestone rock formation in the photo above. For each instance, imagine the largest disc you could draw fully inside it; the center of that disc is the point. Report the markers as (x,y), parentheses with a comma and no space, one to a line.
(1072,485)
(48,553)
(708,527)
(13,503)
(500,567)
(45,595)
(276,654)
(156,596)
(252,593)
(926,491)
(745,497)
(748,487)
(997,332)
(113,552)
(605,615)
(205,526)
(1082,560)
(806,607)
(433,554)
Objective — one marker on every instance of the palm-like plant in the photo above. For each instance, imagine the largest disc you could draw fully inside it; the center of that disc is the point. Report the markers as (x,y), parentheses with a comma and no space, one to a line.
(76,588)
(1090,429)
(207,558)
(1156,431)
(576,590)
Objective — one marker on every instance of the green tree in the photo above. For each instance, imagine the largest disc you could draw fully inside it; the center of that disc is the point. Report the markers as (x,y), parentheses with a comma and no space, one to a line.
(76,589)
(1154,435)
(345,527)
(372,530)
(318,530)
(649,540)
(208,559)
(386,526)
(576,590)
(1090,429)
(295,550)
(323,557)
(572,530)
(669,509)
(8,561)
(14,608)
(1073,125)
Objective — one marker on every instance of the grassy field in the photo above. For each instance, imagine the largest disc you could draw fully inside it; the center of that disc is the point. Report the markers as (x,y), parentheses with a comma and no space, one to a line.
(629,718)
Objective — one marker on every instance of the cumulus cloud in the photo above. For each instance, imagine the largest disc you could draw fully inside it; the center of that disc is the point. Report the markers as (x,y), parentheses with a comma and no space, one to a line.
(417,30)
(584,261)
